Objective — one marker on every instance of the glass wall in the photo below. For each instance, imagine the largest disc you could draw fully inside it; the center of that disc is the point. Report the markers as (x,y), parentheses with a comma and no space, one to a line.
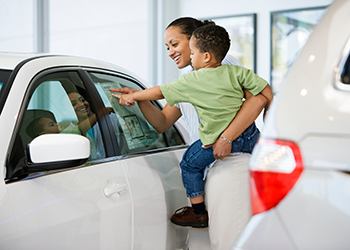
(114,31)
(17,25)
(109,30)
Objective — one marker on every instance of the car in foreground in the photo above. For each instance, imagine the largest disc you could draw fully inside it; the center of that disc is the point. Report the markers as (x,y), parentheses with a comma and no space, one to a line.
(300,168)
(80,171)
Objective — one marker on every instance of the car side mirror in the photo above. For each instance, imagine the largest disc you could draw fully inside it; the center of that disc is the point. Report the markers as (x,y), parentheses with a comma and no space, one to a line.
(57,151)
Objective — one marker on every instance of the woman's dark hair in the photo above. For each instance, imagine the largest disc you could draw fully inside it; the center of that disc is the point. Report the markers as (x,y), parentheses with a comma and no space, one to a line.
(214,39)
(188,24)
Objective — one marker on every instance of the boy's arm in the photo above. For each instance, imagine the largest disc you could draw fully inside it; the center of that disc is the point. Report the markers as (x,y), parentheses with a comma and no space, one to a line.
(145,95)
(160,120)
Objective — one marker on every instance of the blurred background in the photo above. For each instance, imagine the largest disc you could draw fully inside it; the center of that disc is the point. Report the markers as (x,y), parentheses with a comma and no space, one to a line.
(130,33)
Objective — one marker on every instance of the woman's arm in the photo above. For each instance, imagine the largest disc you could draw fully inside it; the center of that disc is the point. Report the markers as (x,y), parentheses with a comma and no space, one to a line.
(160,120)
(250,110)
(267,92)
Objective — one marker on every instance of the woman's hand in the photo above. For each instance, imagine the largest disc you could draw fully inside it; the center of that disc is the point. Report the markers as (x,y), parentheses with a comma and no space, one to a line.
(221,149)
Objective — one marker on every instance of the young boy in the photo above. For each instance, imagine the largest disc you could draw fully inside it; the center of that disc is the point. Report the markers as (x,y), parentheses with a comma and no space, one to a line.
(215,91)
(47,124)
(43,125)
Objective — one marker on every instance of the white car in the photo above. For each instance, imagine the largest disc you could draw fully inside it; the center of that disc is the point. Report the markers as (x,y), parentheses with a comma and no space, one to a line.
(68,182)
(300,169)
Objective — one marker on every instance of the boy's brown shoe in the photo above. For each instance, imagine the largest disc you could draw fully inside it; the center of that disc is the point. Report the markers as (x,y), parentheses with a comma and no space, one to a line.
(186,217)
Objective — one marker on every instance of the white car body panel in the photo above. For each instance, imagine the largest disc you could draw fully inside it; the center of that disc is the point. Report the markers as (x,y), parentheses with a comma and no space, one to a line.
(324,216)
(312,111)
(259,228)
(59,206)
(320,221)
(150,177)
(7,219)
(111,204)
(324,151)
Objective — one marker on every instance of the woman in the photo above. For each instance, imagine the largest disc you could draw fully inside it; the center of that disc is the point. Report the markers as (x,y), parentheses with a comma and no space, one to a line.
(176,37)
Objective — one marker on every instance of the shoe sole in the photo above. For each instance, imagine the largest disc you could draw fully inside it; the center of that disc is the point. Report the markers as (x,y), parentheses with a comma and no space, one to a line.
(191,224)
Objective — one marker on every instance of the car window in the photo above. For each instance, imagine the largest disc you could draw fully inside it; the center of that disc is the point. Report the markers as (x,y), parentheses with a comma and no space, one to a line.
(4,76)
(139,134)
(57,103)
(66,98)
(345,76)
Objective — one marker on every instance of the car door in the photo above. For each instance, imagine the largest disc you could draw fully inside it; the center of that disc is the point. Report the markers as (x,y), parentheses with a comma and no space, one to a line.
(7,223)
(84,207)
(152,168)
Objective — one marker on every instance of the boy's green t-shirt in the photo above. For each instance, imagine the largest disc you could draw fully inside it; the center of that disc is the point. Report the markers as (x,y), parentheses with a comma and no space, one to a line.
(216,94)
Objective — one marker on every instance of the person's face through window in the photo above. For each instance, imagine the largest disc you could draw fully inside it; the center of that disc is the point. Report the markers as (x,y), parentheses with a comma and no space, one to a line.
(80,105)
(178,46)
(197,57)
(48,126)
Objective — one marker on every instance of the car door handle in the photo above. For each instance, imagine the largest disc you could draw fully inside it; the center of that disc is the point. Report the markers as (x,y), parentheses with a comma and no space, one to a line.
(114,188)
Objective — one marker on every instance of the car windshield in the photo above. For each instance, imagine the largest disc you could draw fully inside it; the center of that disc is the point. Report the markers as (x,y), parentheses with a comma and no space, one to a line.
(4,76)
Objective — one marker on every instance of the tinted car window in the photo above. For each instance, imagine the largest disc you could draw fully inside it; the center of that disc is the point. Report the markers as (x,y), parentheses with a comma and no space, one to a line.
(66,98)
(139,134)
(4,76)
(57,103)
(345,76)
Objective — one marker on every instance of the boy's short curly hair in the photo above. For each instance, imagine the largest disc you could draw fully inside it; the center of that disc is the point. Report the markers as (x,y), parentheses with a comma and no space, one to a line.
(35,128)
(212,38)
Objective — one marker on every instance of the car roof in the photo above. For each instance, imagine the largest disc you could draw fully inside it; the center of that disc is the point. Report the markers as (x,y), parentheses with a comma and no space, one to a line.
(9,60)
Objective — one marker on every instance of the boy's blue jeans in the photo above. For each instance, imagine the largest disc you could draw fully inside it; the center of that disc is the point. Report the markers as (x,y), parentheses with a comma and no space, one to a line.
(196,159)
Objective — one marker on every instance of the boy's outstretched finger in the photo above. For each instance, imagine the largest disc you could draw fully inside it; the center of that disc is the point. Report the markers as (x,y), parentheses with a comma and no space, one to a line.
(125,90)
(113,90)
(116,95)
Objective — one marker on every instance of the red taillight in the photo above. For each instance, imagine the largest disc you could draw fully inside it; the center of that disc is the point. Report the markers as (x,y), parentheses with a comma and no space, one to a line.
(275,167)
